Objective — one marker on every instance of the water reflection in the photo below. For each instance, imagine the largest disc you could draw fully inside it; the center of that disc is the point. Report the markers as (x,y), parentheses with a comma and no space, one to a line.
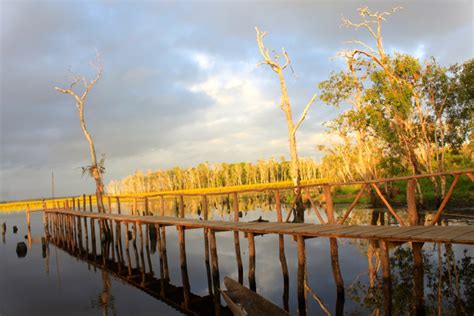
(184,268)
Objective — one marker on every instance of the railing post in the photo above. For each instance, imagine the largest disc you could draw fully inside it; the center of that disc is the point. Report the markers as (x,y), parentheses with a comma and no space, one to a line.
(117,199)
(181,206)
(146,206)
(134,207)
(206,208)
(90,203)
(329,203)
(411,202)
(84,204)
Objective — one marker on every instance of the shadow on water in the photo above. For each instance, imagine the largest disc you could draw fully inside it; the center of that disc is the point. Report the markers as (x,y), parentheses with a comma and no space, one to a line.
(183,269)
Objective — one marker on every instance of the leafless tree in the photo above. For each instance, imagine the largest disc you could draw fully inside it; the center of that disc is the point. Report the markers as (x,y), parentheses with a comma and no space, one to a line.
(285,105)
(96,168)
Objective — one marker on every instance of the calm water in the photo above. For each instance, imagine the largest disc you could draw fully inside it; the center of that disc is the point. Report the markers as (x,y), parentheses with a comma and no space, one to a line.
(60,282)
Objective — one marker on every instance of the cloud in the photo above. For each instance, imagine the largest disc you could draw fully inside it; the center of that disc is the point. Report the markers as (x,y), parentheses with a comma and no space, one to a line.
(180,82)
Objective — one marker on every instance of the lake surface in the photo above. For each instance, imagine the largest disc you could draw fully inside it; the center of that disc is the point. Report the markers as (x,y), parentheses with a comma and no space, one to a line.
(57,281)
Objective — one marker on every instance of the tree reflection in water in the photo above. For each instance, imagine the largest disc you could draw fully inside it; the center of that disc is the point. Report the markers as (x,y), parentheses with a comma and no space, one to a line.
(447,283)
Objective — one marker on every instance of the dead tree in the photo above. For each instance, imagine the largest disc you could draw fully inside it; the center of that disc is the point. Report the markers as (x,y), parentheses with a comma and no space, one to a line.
(285,105)
(95,169)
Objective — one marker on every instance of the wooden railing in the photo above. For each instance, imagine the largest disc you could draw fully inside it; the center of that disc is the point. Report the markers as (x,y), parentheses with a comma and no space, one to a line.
(304,189)
(85,202)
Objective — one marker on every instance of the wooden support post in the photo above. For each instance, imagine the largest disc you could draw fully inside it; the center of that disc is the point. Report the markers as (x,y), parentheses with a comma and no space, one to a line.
(336,270)
(160,252)
(353,204)
(142,257)
(112,238)
(90,204)
(84,204)
(127,250)
(301,275)
(386,277)
(94,249)
(391,210)
(333,245)
(184,266)
(445,200)
(119,241)
(206,261)
(278,206)
(147,248)
(165,256)
(86,231)
(73,204)
(238,256)
(329,203)
(284,266)
(411,202)
(215,272)
(79,233)
(181,206)
(251,241)
(418,278)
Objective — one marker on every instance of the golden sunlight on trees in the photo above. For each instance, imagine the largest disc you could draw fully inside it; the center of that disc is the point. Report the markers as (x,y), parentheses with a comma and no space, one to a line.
(402,110)
(96,168)
(285,105)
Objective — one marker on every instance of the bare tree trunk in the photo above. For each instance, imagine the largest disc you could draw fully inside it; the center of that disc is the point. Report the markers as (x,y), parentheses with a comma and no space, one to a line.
(80,98)
(292,127)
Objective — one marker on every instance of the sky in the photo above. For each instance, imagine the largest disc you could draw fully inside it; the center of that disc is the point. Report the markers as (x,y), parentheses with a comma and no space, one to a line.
(181,83)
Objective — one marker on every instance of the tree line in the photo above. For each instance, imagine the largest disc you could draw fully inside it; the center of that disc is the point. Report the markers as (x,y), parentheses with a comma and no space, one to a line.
(207,175)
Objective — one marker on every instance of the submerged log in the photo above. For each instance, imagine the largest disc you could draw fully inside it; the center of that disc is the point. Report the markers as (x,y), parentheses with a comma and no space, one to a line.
(243,301)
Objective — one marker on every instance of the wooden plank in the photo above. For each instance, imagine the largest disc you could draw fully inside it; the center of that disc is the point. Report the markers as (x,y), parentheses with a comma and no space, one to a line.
(374,233)
(400,232)
(466,238)
(445,233)
(319,230)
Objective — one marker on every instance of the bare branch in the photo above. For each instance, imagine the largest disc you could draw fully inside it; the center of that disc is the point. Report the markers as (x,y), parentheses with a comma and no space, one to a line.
(276,67)
(287,59)
(357,42)
(349,23)
(303,116)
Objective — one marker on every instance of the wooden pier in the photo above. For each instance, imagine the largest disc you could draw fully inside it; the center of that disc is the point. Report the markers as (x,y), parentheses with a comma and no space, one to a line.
(443,234)
(78,228)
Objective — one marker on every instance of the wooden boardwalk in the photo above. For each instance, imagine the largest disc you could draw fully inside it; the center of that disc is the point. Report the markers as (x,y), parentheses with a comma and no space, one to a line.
(444,234)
